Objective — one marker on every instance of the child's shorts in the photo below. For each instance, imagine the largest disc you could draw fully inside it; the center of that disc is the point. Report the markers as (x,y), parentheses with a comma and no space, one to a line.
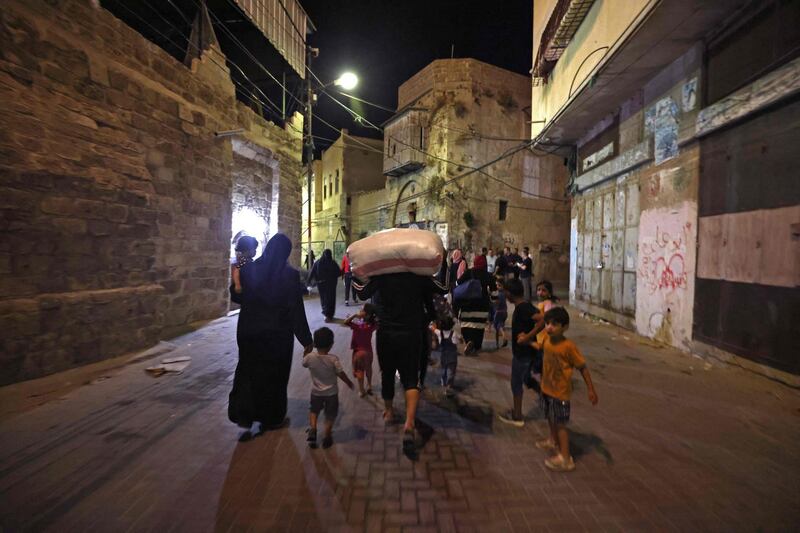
(499,321)
(362,363)
(555,410)
(330,404)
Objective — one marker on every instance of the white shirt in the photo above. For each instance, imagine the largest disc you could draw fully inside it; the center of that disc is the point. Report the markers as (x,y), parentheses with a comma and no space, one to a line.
(490,263)
(324,373)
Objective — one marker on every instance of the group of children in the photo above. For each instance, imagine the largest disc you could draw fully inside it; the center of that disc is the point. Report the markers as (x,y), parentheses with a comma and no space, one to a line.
(542,359)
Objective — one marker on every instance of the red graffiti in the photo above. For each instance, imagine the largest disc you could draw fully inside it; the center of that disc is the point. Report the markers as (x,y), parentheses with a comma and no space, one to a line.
(670,274)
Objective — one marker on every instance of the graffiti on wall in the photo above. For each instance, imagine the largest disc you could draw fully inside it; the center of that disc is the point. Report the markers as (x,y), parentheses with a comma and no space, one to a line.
(662,265)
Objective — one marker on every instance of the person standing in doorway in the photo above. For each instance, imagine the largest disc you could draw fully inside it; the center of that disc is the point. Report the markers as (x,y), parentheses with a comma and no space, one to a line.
(326,272)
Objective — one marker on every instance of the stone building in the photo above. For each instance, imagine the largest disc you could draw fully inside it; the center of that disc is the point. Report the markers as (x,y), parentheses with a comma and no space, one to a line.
(684,117)
(118,196)
(348,169)
(457,115)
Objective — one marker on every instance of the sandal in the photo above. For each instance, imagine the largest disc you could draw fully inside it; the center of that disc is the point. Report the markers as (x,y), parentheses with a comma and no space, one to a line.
(546,444)
(559,464)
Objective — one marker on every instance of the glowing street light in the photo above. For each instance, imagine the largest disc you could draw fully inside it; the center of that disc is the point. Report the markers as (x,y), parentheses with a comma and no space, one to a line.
(347,81)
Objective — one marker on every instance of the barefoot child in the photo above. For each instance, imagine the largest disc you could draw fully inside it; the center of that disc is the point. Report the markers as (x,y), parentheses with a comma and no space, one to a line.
(561,356)
(245,251)
(363,324)
(325,368)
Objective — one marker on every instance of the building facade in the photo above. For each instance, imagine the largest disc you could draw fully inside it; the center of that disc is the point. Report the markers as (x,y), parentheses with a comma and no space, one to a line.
(120,198)
(458,161)
(682,116)
(348,169)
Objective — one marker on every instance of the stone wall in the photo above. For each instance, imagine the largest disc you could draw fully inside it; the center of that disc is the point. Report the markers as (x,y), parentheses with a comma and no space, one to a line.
(116,193)
(475,113)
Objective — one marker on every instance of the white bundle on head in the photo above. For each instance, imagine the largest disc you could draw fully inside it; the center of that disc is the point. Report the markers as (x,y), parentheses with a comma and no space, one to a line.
(396,250)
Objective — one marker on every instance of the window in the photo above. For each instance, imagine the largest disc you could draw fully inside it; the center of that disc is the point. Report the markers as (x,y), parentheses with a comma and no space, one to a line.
(349,200)
(421,138)
(503,209)
(337,182)
(324,191)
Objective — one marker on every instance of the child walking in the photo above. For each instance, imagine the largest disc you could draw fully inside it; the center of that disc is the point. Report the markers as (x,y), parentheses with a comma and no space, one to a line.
(448,350)
(325,368)
(362,324)
(522,321)
(561,356)
(500,313)
(245,251)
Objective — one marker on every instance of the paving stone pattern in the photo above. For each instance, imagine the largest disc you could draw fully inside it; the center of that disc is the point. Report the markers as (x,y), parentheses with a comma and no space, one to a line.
(671,446)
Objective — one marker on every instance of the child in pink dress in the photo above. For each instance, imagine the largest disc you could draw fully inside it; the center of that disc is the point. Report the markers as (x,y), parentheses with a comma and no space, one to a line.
(363,324)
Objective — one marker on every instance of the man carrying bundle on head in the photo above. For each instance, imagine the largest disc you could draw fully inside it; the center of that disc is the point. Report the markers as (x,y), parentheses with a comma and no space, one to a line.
(400,264)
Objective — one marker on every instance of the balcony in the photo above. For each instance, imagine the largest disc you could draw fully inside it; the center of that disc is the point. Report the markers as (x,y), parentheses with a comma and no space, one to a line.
(567,17)
(404,141)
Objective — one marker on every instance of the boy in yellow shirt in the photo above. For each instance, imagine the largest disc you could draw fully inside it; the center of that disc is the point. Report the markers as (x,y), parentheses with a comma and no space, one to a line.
(561,356)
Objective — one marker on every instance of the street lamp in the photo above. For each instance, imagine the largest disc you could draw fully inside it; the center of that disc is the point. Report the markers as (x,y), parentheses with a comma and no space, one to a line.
(346,81)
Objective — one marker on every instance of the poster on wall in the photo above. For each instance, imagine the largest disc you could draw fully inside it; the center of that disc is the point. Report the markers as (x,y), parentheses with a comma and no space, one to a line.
(689,95)
(666,130)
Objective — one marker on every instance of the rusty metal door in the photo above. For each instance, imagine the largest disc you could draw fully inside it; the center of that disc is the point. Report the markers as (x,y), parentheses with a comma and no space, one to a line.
(606,247)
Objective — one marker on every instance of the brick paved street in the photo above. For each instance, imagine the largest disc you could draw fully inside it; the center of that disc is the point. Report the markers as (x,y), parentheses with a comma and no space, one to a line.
(673,445)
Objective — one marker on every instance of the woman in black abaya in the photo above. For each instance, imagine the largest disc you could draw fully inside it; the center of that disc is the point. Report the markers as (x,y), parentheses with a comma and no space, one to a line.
(327,274)
(272,315)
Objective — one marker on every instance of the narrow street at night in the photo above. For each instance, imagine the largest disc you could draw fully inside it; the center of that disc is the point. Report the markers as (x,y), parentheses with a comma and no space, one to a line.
(673,445)
(399,266)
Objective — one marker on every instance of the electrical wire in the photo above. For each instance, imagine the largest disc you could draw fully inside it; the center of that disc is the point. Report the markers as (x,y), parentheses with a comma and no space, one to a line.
(220,66)
(440,158)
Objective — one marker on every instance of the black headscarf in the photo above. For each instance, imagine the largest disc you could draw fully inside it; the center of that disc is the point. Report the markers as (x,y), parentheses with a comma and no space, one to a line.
(268,275)
(326,267)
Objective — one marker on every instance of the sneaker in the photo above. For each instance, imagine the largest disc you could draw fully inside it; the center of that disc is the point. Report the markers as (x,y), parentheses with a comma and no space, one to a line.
(369,392)
(312,438)
(508,418)
(505,343)
(559,464)
(327,442)
(346,303)
(546,444)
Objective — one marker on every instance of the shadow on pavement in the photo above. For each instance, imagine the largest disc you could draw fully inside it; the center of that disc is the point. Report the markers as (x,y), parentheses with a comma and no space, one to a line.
(581,444)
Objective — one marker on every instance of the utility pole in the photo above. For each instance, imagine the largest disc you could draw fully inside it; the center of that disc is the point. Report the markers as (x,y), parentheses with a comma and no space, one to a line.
(309,140)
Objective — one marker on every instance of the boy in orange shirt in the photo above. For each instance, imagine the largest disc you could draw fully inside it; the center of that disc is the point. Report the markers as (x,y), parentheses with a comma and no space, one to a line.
(561,356)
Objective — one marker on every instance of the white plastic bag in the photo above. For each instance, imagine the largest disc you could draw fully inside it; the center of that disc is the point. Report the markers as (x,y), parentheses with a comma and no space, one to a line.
(396,250)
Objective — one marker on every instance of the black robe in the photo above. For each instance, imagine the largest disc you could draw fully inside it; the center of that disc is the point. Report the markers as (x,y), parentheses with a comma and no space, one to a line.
(327,273)
(272,315)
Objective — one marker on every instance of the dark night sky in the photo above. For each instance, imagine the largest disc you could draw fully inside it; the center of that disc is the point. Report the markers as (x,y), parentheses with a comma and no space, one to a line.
(384,42)
(387,42)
